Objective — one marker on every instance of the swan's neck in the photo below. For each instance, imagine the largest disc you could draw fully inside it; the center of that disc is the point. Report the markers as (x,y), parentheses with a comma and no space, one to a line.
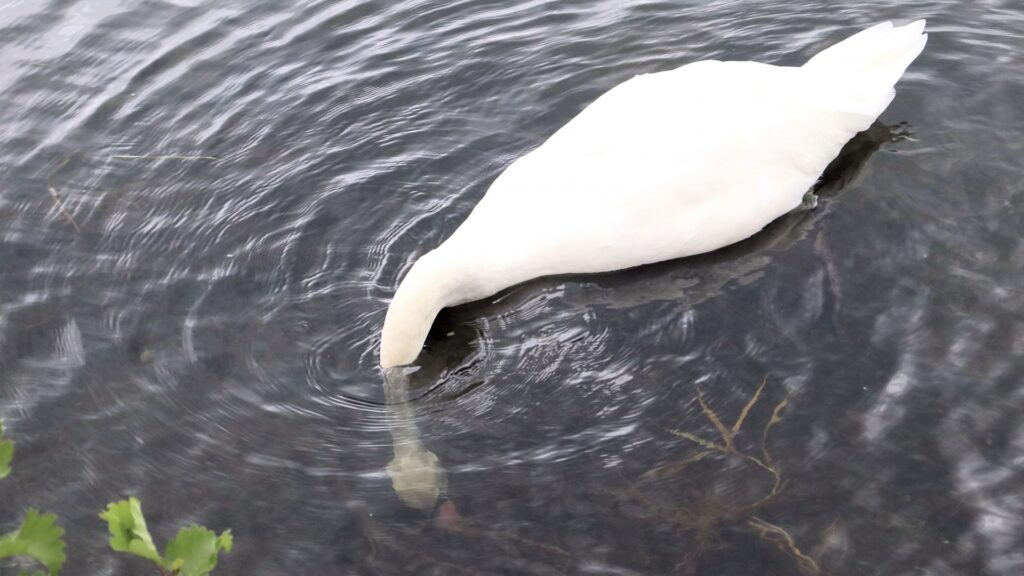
(435,281)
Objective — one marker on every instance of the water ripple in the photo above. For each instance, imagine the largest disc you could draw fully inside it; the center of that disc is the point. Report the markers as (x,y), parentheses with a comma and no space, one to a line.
(208,206)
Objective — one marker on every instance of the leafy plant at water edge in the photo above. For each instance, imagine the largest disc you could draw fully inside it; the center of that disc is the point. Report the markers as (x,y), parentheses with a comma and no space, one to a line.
(38,537)
(6,453)
(192,552)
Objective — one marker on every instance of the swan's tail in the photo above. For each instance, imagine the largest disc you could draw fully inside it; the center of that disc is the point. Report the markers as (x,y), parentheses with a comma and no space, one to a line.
(864,68)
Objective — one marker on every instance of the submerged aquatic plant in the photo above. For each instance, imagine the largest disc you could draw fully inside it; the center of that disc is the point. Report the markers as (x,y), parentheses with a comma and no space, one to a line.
(708,518)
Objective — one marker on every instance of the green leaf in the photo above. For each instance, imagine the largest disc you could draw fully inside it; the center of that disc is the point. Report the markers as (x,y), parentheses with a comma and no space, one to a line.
(225,541)
(38,537)
(193,551)
(128,531)
(6,453)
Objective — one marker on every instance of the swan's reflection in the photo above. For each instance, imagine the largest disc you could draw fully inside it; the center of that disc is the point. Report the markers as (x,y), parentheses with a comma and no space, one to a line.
(416,474)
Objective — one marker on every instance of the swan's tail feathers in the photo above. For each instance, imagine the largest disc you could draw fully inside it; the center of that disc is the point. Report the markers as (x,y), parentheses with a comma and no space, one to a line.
(868,64)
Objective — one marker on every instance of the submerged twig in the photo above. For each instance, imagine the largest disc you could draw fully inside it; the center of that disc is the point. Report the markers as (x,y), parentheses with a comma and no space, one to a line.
(746,409)
(710,415)
(784,541)
(56,197)
(63,211)
(775,419)
(728,434)
(669,470)
(700,441)
(767,462)
(767,532)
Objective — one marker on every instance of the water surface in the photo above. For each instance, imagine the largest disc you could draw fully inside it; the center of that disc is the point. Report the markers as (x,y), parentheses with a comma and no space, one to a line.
(205,208)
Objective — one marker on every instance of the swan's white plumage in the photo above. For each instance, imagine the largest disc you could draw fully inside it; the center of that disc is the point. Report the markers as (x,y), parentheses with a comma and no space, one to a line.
(662,166)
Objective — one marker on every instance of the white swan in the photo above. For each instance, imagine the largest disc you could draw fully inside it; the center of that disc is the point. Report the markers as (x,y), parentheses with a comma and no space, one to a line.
(662,166)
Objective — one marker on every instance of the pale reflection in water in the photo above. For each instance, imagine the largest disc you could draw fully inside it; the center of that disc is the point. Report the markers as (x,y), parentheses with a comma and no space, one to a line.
(416,474)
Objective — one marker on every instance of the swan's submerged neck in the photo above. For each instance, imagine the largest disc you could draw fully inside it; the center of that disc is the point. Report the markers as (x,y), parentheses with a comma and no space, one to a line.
(416,474)
(435,281)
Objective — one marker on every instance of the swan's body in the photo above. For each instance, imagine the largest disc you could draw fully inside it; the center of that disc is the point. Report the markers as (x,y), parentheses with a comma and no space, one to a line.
(662,166)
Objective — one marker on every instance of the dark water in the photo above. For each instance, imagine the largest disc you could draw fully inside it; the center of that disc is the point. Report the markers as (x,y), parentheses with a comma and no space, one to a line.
(205,208)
